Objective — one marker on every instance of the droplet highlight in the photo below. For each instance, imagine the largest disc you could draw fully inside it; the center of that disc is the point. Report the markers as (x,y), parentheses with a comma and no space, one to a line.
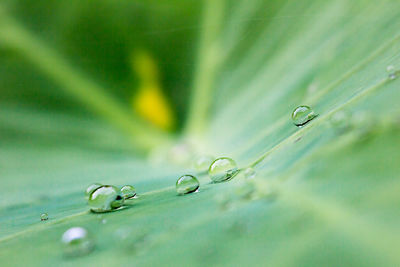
(105,198)
(302,115)
(187,184)
(77,242)
(91,188)
(128,191)
(392,72)
(44,217)
(222,169)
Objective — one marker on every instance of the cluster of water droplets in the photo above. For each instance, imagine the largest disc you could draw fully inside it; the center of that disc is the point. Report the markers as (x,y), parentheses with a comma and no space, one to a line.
(105,198)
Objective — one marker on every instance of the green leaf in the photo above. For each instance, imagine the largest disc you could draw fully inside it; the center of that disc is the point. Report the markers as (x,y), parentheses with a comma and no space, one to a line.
(324,194)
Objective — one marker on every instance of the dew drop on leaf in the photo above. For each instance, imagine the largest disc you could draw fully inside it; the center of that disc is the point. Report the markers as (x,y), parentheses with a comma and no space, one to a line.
(128,191)
(44,217)
(222,169)
(249,173)
(202,163)
(302,115)
(77,242)
(91,188)
(392,72)
(105,198)
(187,184)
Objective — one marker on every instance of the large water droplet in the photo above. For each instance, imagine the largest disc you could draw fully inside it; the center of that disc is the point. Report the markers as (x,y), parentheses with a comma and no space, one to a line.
(128,191)
(202,163)
(249,173)
(392,72)
(302,115)
(187,184)
(222,169)
(91,188)
(44,217)
(105,198)
(77,242)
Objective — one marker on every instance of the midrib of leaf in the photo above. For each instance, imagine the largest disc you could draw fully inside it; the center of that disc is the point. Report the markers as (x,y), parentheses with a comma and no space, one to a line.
(208,61)
(95,98)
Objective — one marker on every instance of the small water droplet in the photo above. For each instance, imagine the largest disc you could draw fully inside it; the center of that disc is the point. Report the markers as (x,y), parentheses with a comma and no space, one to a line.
(249,173)
(91,188)
(44,217)
(392,72)
(222,169)
(202,163)
(105,198)
(77,242)
(103,221)
(128,191)
(187,184)
(302,115)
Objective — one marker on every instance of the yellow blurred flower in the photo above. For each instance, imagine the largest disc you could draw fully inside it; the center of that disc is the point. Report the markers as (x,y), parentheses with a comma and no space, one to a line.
(149,101)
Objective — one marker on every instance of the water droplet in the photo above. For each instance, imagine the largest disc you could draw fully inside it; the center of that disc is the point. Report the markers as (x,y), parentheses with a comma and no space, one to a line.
(128,191)
(222,169)
(105,198)
(91,188)
(187,184)
(44,217)
(302,115)
(77,242)
(202,163)
(103,221)
(249,173)
(392,72)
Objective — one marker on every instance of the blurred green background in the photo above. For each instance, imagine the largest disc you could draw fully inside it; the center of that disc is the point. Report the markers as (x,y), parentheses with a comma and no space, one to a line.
(101,39)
